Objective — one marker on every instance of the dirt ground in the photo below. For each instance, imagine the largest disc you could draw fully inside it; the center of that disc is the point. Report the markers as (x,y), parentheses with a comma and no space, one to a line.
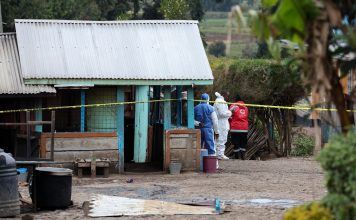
(296,179)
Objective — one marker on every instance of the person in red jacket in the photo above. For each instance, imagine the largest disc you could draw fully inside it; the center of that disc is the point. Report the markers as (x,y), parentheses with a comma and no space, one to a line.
(239,127)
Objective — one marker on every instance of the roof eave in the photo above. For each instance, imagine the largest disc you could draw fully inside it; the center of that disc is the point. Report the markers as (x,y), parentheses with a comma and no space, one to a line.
(118,82)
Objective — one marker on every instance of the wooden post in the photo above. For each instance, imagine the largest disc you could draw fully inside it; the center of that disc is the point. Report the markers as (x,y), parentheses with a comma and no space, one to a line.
(82,110)
(271,129)
(120,97)
(156,96)
(316,118)
(156,121)
(28,139)
(190,104)
(141,124)
(53,123)
(93,167)
(167,117)
(167,108)
(179,105)
(80,172)
(38,115)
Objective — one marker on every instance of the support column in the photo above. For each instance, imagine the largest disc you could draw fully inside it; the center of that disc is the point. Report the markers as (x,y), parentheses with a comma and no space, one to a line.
(167,118)
(82,110)
(141,124)
(167,123)
(179,105)
(190,104)
(315,115)
(120,120)
(38,116)
(156,96)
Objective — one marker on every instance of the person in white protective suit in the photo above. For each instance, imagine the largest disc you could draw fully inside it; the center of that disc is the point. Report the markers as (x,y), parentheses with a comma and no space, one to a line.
(223,113)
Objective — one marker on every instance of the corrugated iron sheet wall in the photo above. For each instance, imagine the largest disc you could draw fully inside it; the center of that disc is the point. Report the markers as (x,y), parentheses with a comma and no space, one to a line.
(165,50)
(11,81)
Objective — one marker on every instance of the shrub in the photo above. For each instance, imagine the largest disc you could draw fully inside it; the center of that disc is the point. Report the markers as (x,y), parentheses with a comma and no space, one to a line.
(342,207)
(217,49)
(260,81)
(303,146)
(338,160)
(313,211)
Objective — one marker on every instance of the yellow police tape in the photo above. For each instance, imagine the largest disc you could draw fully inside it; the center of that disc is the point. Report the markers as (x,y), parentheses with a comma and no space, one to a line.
(85,106)
(294,107)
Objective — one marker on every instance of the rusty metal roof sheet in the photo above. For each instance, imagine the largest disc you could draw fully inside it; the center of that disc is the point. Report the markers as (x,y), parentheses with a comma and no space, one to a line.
(11,81)
(142,50)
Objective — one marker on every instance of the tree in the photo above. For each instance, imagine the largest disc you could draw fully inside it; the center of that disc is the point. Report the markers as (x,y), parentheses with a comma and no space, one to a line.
(312,24)
(175,9)
(69,9)
(262,51)
(196,10)
(112,9)
(136,8)
(152,11)
(217,49)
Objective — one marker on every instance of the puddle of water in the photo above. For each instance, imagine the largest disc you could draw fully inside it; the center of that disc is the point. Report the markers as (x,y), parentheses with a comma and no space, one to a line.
(284,203)
(258,202)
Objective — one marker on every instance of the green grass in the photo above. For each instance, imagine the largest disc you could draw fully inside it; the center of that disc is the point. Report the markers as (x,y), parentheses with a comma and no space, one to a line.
(238,48)
(214,23)
(214,26)
(218,26)
(216,14)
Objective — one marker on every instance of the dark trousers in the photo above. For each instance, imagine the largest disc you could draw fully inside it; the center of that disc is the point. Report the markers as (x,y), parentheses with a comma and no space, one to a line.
(239,140)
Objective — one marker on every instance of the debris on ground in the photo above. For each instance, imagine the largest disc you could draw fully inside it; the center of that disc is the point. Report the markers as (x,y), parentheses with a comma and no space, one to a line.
(105,206)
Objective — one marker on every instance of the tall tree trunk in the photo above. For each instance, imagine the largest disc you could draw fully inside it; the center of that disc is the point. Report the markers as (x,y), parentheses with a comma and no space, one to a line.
(338,98)
(288,133)
(321,75)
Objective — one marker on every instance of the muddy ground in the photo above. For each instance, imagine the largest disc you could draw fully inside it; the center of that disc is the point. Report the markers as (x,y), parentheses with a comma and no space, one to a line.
(296,180)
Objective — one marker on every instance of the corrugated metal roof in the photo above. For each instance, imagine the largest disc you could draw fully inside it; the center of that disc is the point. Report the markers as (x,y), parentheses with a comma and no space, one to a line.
(148,50)
(10,71)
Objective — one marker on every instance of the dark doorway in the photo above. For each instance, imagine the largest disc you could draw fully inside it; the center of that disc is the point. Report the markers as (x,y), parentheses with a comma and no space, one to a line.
(154,159)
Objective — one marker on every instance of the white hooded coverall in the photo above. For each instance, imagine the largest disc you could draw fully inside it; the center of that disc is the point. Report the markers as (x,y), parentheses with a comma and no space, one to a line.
(223,113)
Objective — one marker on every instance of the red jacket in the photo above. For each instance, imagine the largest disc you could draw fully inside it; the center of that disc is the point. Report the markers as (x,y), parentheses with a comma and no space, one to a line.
(239,117)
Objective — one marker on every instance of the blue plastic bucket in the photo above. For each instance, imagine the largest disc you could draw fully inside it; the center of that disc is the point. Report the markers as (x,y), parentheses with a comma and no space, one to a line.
(21,170)
(22,174)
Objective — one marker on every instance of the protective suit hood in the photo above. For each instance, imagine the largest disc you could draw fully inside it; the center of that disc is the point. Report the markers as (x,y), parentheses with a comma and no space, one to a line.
(205,96)
(219,97)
